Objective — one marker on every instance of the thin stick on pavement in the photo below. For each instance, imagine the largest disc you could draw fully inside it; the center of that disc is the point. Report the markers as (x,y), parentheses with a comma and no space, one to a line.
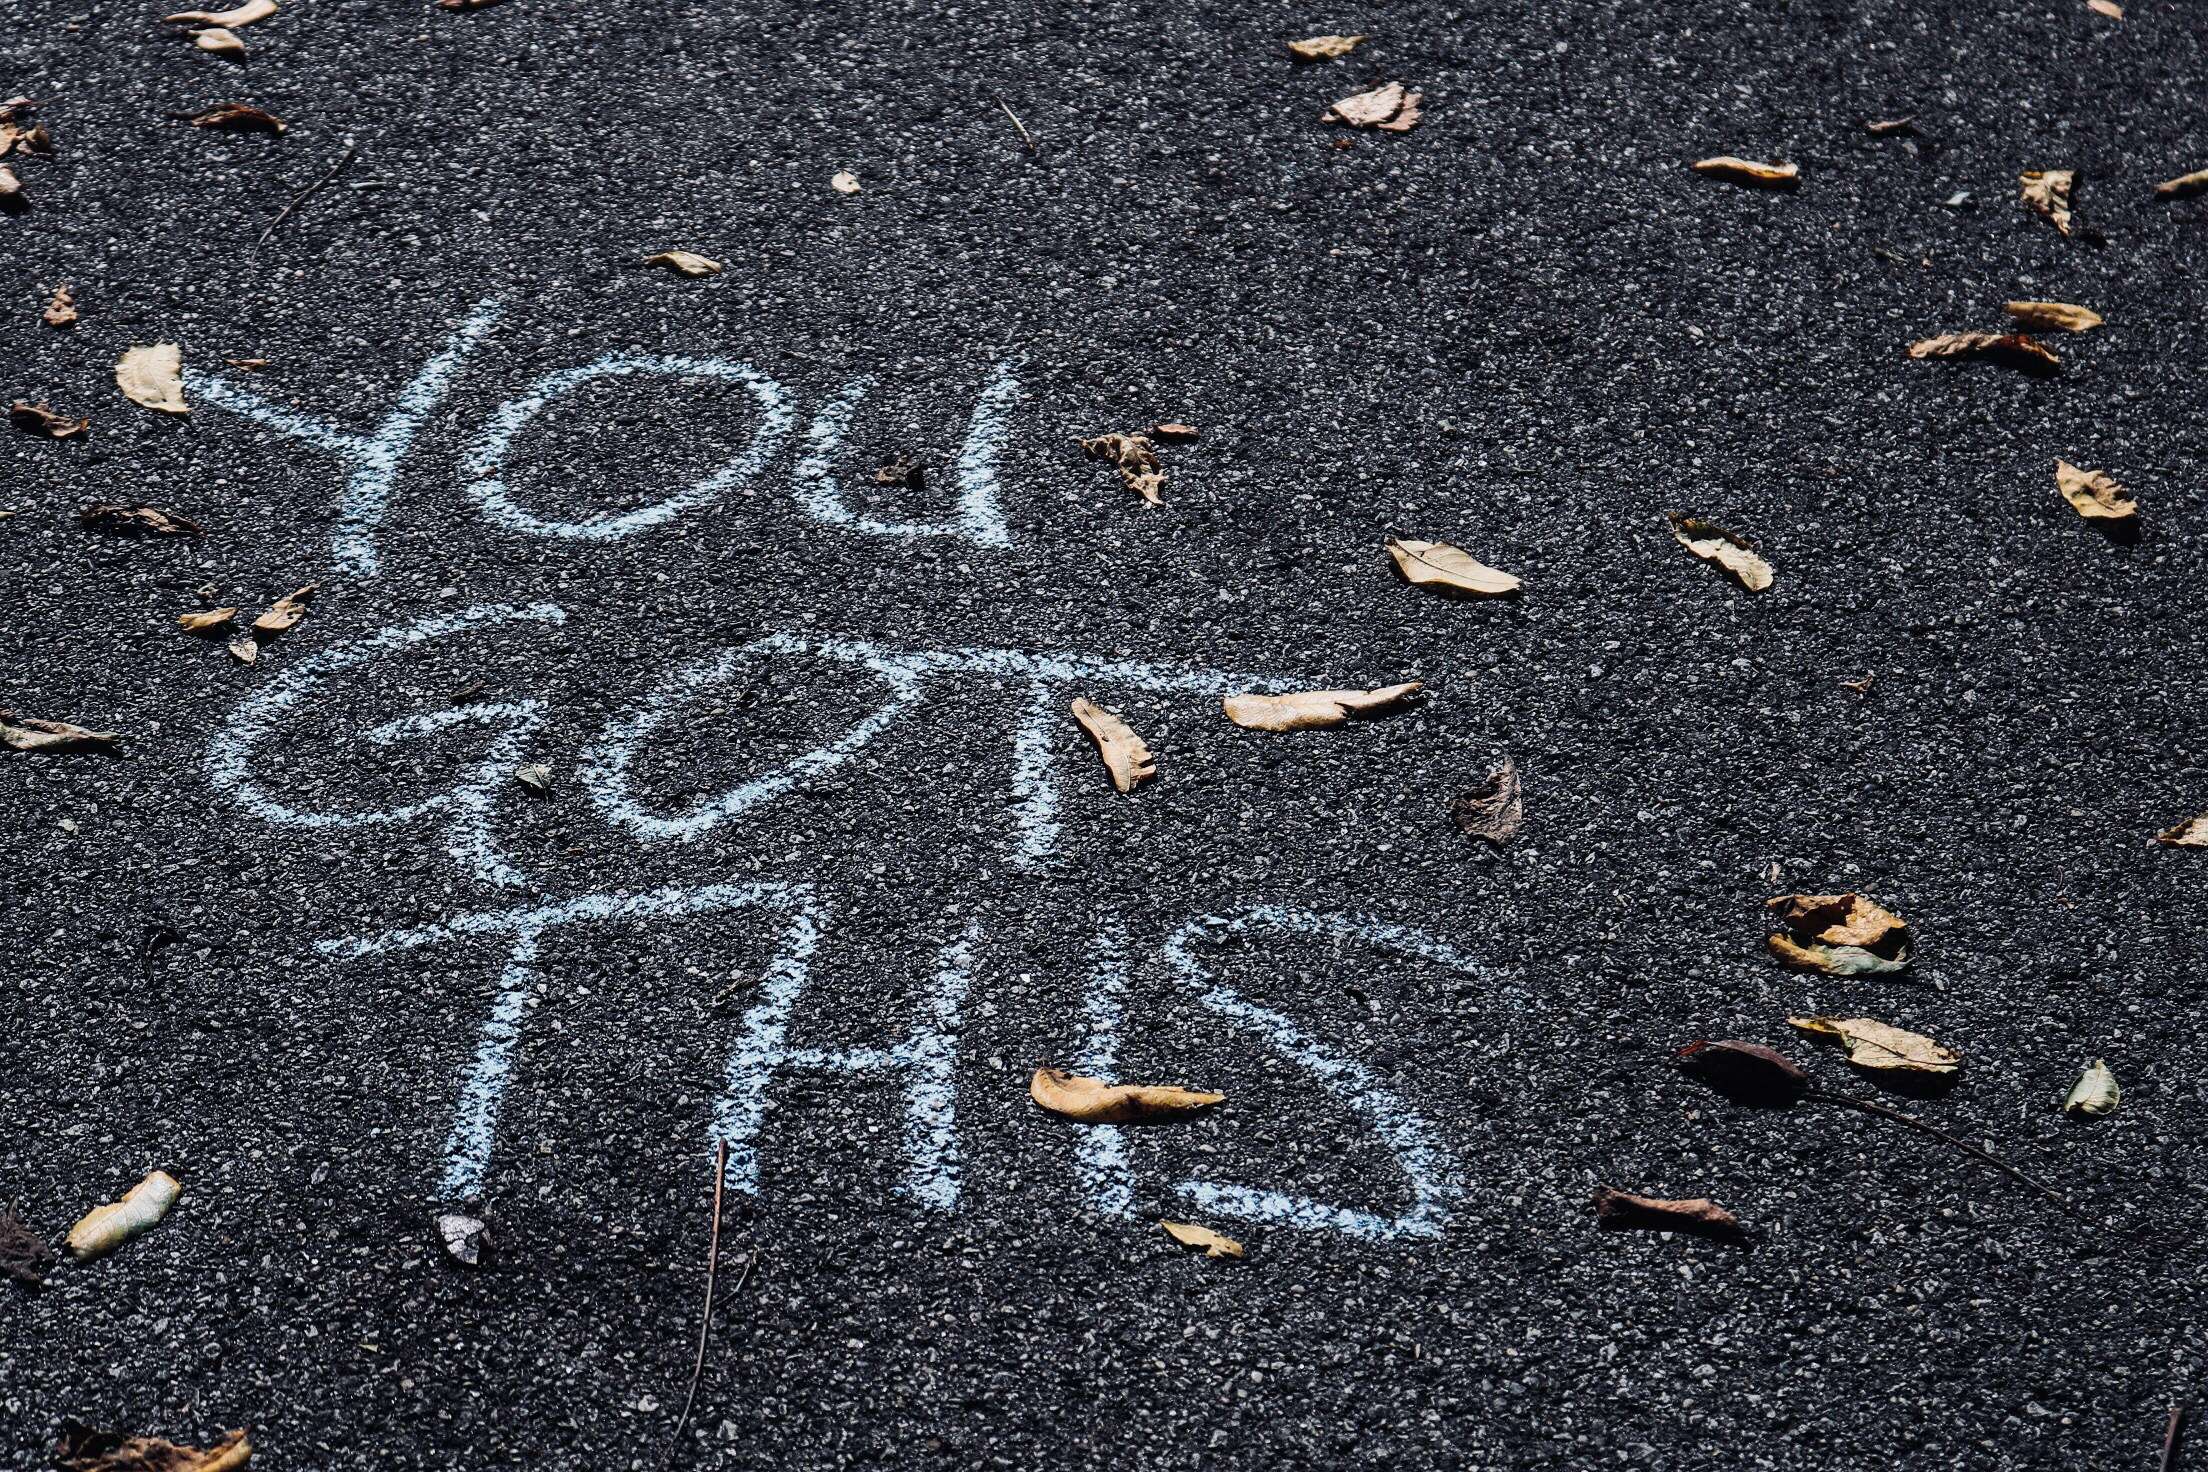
(2174,1438)
(705,1322)
(343,159)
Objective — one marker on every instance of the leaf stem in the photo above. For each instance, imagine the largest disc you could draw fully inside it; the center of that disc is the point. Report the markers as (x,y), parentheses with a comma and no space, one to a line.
(1866,1106)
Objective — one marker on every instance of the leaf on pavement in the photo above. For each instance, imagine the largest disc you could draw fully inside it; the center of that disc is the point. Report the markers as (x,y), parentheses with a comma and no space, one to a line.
(1838,935)
(1174,434)
(2048,191)
(1712,543)
(137,521)
(42,419)
(244,650)
(206,620)
(105,1228)
(2054,316)
(1494,809)
(2108,8)
(61,311)
(1615,1208)
(284,614)
(1448,569)
(1888,127)
(28,733)
(2010,349)
(219,42)
(1308,709)
(1324,48)
(1125,756)
(688,263)
(1137,459)
(153,377)
(1874,1044)
(2094,494)
(244,15)
(1748,171)
(1093,1101)
(2192,833)
(467,1240)
(844,182)
(239,117)
(2183,185)
(1748,1072)
(1390,109)
(24,1255)
(2095,1093)
(1188,1234)
(84,1450)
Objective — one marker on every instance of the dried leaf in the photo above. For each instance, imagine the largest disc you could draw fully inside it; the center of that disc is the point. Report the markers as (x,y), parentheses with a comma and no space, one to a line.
(84,1450)
(1713,543)
(1173,434)
(153,377)
(1699,1214)
(2108,8)
(537,777)
(1325,48)
(2048,191)
(250,365)
(62,310)
(1125,757)
(1887,127)
(2192,833)
(1748,1072)
(1448,569)
(1390,109)
(1188,1234)
(686,262)
(41,419)
(1093,1101)
(467,1240)
(105,1228)
(244,15)
(2054,316)
(1873,1044)
(28,733)
(24,1255)
(2094,494)
(845,182)
(2095,1094)
(244,650)
(206,620)
(1748,171)
(220,42)
(11,189)
(901,470)
(1309,709)
(1137,460)
(2183,185)
(1494,810)
(238,117)
(284,614)
(137,521)
(465,4)
(1839,935)
(2011,349)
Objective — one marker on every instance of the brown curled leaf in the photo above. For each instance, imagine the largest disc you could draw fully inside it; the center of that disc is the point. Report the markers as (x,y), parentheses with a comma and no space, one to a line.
(1174,434)
(1306,710)
(284,614)
(1615,1208)
(84,1450)
(1188,1234)
(1879,1045)
(137,521)
(2010,349)
(61,311)
(207,620)
(28,733)
(1093,1101)
(2183,185)
(1839,935)
(1713,544)
(24,1255)
(2048,191)
(1493,811)
(43,420)
(2053,316)
(687,263)
(1389,109)
(1137,459)
(1449,570)
(2192,833)
(1890,127)
(2094,494)
(1749,172)
(1125,756)
(1747,1072)
(239,117)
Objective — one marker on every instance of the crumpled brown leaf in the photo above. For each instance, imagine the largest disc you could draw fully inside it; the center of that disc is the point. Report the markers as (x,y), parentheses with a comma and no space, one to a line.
(61,311)
(41,419)
(1306,710)
(206,620)
(1093,1101)
(1171,433)
(1713,544)
(84,1450)
(689,263)
(153,376)
(1188,1234)
(244,15)
(2094,494)
(2183,185)
(219,42)
(2048,191)
(1748,1072)
(24,1255)
(28,733)
(2054,316)
(1748,171)
(2192,833)
(1874,1044)
(1324,48)
(1137,459)
(2011,349)
(1389,109)
(1838,935)
(1447,569)
(1615,1208)
(137,521)
(1125,755)
(239,117)
(284,614)
(1493,810)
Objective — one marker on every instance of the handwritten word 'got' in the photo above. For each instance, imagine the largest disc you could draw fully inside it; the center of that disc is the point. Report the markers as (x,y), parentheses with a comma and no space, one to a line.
(372,460)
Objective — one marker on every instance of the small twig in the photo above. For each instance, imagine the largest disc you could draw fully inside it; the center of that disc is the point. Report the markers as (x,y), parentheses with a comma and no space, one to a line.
(705,1324)
(343,160)
(1867,1107)
(2174,1438)
(1025,136)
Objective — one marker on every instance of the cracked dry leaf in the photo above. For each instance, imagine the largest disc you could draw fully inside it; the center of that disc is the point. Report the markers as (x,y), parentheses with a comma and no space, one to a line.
(1188,1234)
(1838,935)
(1449,570)
(1714,544)
(42,419)
(1615,1208)
(1494,810)
(1125,756)
(105,1228)
(1093,1101)
(28,733)
(206,620)
(153,377)
(1874,1044)
(2095,1094)
(84,1450)
(1390,109)
(688,263)
(2054,316)
(1137,459)
(1748,171)
(61,311)
(137,521)
(244,15)
(219,42)
(2192,833)
(2010,349)
(2048,191)
(24,1255)
(2094,494)
(1324,48)
(1306,710)
(2183,185)
(284,614)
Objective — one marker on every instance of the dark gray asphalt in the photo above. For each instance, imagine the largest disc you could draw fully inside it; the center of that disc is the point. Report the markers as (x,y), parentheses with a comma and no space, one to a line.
(1525,327)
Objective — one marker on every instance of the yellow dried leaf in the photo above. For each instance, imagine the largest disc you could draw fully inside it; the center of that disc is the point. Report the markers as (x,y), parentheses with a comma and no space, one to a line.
(2096,1092)
(1324,48)
(62,310)
(2192,833)
(219,41)
(2183,185)
(2048,191)
(1448,569)
(1093,1101)
(2054,316)
(686,262)
(2011,349)
(153,377)
(844,183)
(2108,8)
(1748,171)
(28,733)
(1713,543)
(1137,459)
(1188,1234)
(207,620)
(284,614)
(244,15)
(105,1228)
(1390,109)
(1125,756)
(1308,709)
(1839,935)
(83,1449)
(1873,1044)
(2094,494)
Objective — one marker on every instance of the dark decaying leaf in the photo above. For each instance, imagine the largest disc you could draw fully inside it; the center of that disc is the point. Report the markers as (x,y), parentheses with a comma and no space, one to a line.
(1493,810)
(1748,1073)
(29,733)
(83,1449)
(238,117)
(901,469)
(137,521)
(1615,1208)
(23,1255)
(43,419)
(1839,935)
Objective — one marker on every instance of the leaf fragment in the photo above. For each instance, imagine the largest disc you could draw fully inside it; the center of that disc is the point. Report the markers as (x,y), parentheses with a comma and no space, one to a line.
(2183,185)
(1615,1208)
(1712,543)
(84,1450)
(1093,1101)
(2095,1094)
(536,776)
(1188,1234)
(153,377)
(61,311)
(1391,108)
(687,263)
(137,521)
(244,650)
(29,733)
(12,196)
(1839,935)
(467,1240)
(2108,8)
(2010,349)
(1137,459)
(1748,1072)
(206,620)
(24,1255)
(1888,127)
(466,4)
(2054,316)
(1748,171)
(2192,833)
(1125,755)
(244,15)
(1174,434)
(44,420)
(1448,570)
(1494,809)
(284,614)
(239,117)
(2048,191)
(1874,1044)
(844,182)
(105,1228)
(1325,48)
(1307,710)
(2094,494)
(219,42)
